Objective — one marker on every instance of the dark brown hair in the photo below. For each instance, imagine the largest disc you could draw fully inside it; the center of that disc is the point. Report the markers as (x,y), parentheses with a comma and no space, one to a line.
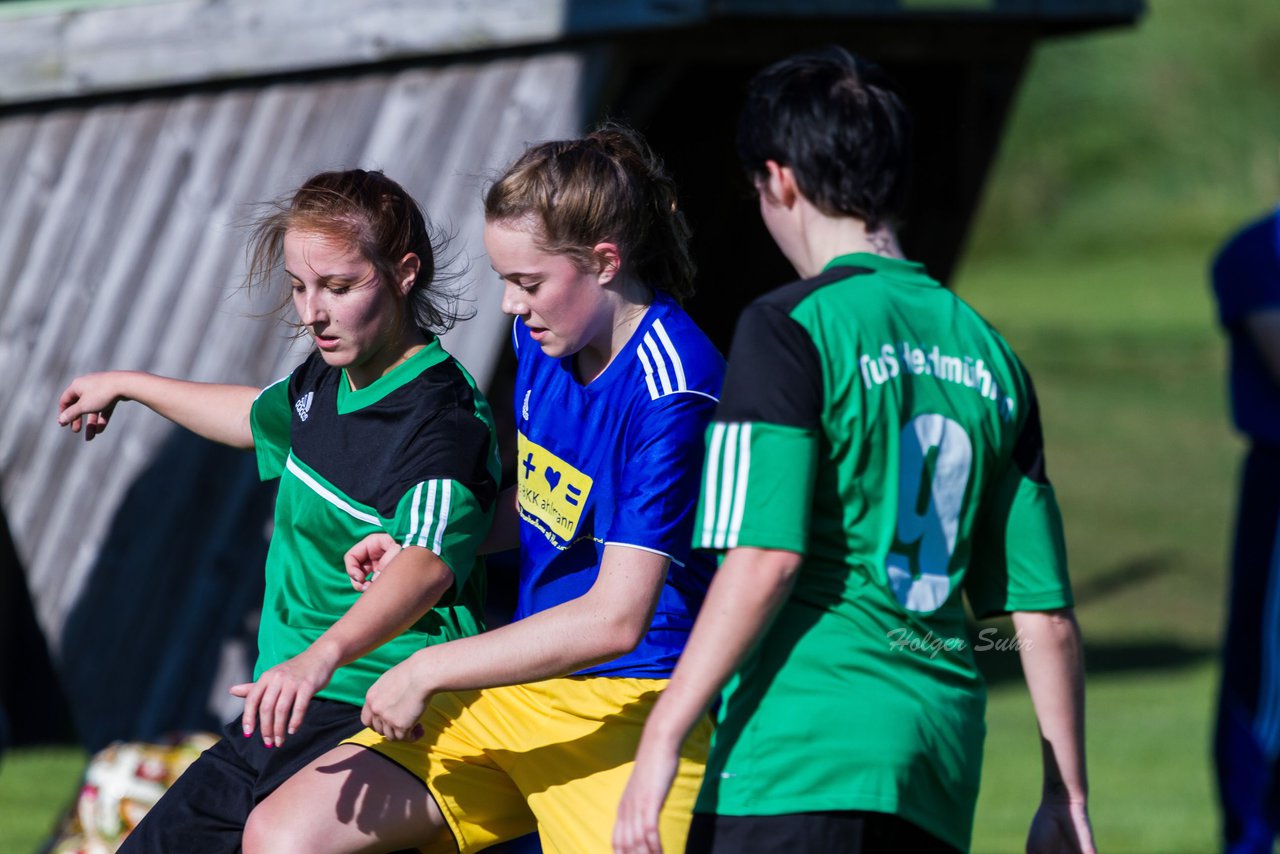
(606,186)
(378,218)
(838,121)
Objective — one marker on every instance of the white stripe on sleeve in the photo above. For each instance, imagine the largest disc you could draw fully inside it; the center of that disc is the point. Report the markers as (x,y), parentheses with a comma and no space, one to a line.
(648,372)
(726,484)
(709,485)
(446,496)
(672,354)
(740,494)
(428,514)
(660,362)
(413,515)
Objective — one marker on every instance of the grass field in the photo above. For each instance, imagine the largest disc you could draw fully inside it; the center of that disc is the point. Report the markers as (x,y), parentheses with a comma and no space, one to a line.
(1128,158)
(36,785)
(1129,370)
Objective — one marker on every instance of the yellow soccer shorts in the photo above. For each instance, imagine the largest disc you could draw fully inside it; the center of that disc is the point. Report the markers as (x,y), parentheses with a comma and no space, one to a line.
(550,756)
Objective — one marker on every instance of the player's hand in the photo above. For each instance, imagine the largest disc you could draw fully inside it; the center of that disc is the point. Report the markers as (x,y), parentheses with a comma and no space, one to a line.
(277,702)
(88,402)
(366,559)
(395,702)
(1061,827)
(636,830)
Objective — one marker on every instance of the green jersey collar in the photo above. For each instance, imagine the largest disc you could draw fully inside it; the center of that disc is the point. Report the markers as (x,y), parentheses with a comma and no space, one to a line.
(429,356)
(909,272)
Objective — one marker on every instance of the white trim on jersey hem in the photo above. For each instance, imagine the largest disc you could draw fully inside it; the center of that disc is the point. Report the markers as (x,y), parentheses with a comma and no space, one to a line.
(319,489)
(695,391)
(645,549)
(666,391)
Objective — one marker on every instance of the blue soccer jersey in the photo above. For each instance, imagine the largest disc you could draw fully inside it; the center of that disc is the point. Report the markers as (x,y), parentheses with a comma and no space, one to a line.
(1246,280)
(617,462)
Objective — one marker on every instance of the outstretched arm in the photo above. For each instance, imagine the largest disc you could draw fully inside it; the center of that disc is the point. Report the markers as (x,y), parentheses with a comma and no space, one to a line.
(415,581)
(1053,662)
(607,621)
(745,594)
(214,411)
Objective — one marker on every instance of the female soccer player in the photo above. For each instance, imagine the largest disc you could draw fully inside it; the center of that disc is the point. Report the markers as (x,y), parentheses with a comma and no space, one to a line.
(379,430)
(877,452)
(534,725)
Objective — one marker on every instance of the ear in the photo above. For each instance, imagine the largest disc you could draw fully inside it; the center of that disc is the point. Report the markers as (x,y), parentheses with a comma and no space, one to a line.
(407,272)
(779,183)
(609,260)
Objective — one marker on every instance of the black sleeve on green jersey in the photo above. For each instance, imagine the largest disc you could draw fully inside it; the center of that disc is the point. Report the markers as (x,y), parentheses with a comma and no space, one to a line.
(454,445)
(1019,558)
(775,373)
(1028,453)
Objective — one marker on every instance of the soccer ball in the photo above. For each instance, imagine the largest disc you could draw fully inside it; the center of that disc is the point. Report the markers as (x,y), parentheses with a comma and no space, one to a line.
(122,782)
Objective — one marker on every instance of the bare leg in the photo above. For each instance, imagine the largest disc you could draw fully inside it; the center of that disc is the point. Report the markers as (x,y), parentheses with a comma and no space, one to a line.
(348,800)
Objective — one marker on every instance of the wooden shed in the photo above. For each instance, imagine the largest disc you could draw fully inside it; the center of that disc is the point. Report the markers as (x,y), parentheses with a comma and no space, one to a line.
(135,136)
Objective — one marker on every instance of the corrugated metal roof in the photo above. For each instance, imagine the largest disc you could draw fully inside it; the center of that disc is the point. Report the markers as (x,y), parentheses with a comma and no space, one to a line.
(120,248)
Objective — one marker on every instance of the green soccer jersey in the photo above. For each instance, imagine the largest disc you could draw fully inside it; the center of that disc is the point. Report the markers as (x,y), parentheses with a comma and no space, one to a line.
(414,455)
(874,423)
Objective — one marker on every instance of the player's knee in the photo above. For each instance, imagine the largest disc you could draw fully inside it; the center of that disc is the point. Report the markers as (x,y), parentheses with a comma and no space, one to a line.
(269,832)
(257,836)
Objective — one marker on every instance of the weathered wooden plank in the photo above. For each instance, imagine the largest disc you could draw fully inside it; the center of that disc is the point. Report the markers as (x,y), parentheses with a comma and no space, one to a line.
(99,49)
(18,140)
(140,546)
(41,285)
(61,50)
(145,162)
(66,344)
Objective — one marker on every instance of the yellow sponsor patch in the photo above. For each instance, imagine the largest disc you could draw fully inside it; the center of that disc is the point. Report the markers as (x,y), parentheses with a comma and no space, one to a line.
(552,492)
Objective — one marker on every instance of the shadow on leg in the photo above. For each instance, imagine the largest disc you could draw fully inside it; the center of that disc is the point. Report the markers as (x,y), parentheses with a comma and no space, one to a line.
(348,800)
